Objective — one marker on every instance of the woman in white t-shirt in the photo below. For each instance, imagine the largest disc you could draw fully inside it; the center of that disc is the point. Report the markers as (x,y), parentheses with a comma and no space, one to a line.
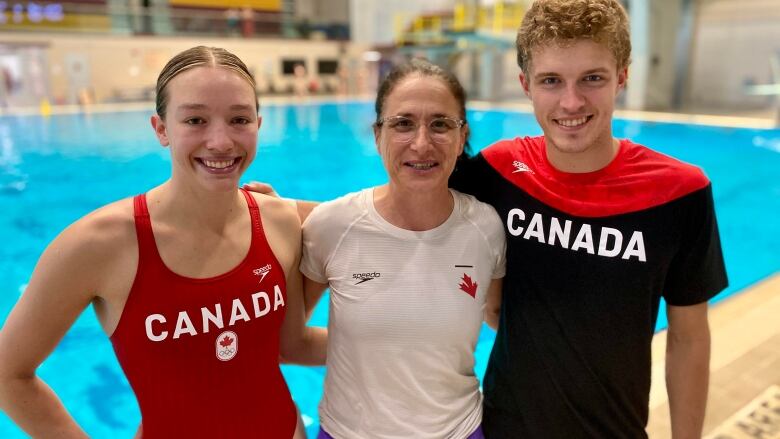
(413,268)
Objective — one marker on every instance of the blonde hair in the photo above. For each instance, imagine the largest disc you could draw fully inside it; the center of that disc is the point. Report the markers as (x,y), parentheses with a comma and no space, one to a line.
(565,21)
(198,57)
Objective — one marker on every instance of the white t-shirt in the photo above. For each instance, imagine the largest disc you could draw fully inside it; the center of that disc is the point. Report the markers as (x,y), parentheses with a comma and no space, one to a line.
(406,309)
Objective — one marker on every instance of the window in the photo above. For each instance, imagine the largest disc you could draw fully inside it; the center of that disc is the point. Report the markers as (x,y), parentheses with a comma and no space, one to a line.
(327,66)
(288,65)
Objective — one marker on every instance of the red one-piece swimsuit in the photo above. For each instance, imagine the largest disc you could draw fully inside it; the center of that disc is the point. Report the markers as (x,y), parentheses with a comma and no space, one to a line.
(202,355)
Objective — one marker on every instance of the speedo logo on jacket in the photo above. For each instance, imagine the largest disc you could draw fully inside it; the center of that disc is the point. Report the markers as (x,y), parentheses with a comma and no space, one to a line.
(158,326)
(601,241)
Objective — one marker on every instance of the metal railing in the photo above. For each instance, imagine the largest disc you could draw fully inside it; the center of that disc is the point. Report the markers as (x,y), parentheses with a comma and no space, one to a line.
(500,18)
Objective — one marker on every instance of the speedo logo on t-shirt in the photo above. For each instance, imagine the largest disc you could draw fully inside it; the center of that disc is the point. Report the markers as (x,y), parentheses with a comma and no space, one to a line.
(521,167)
(365,277)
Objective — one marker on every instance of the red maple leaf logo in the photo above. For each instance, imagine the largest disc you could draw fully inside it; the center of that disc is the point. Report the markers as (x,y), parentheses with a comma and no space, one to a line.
(468,285)
(225,342)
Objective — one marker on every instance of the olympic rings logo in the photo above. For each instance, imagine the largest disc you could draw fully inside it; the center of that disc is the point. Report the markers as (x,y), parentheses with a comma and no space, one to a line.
(227,352)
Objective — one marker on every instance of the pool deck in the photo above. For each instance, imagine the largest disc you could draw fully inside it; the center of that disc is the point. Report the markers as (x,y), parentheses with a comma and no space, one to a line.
(744,398)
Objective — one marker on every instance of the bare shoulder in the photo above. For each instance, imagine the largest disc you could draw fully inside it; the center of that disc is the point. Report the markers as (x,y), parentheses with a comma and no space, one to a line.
(278,214)
(282,229)
(89,262)
(92,258)
(105,229)
(97,243)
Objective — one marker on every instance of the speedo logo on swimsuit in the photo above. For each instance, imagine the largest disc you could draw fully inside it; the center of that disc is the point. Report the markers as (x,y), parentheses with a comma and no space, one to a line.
(158,327)
(262,272)
(365,277)
(550,231)
(521,167)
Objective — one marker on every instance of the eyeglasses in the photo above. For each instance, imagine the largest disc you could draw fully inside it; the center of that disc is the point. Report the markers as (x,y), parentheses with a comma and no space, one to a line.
(403,129)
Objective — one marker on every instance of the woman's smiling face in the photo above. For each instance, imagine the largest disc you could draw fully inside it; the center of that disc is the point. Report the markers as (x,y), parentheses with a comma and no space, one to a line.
(211,126)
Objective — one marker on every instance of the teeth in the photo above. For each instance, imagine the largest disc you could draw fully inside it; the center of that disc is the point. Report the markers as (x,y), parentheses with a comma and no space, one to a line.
(572,122)
(218,164)
(421,166)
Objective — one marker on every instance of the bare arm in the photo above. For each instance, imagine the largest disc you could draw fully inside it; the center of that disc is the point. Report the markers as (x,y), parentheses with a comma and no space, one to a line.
(61,286)
(299,343)
(493,303)
(687,368)
(312,292)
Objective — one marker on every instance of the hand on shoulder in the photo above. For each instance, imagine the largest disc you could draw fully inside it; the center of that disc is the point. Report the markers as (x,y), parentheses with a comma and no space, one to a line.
(278,209)
(259,187)
(282,228)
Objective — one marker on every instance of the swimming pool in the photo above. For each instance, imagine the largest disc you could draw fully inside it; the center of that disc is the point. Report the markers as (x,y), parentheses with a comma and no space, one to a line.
(54,170)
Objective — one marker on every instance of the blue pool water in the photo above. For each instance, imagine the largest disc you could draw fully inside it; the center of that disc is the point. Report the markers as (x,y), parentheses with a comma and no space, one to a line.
(54,170)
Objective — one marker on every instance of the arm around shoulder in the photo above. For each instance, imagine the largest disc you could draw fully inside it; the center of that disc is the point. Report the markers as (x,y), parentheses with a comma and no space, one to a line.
(304,207)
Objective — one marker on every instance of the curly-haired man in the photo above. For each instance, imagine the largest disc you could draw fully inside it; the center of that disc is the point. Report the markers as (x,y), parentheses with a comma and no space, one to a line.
(599,229)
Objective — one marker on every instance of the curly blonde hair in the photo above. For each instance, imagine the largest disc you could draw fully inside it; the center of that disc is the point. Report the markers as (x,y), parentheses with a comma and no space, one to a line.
(565,21)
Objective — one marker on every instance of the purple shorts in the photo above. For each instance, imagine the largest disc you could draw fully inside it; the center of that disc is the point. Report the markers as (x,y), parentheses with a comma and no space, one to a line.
(476,435)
